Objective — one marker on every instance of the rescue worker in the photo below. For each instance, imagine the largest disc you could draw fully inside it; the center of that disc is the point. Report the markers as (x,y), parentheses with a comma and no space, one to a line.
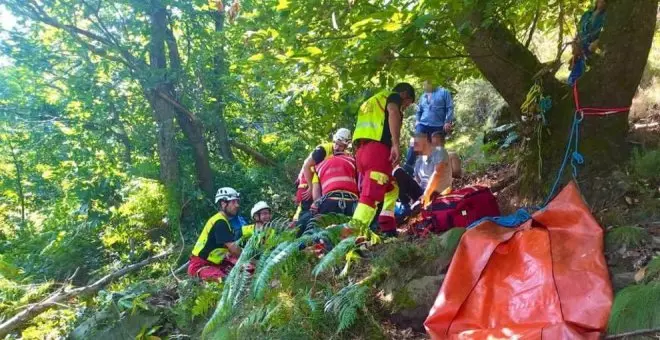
(304,196)
(216,251)
(261,215)
(340,142)
(376,137)
(337,187)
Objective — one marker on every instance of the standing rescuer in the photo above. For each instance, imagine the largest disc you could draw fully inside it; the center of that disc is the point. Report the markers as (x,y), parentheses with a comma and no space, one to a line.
(376,137)
(216,251)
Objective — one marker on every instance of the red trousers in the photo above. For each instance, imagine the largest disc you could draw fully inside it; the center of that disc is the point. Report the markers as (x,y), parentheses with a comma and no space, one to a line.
(208,271)
(377,185)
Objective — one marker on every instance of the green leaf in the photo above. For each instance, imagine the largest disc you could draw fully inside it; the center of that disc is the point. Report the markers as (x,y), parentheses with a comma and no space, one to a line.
(392,26)
(313,50)
(282,5)
(256,57)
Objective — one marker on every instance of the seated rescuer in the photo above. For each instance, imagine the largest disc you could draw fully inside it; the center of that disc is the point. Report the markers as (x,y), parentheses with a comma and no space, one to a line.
(261,214)
(304,196)
(337,187)
(216,252)
(432,168)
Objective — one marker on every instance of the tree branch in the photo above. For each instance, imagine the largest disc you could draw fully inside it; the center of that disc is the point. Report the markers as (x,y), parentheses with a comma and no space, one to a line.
(506,63)
(560,38)
(258,156)
(456,56)
(64,294)
(532,29)
(633,333)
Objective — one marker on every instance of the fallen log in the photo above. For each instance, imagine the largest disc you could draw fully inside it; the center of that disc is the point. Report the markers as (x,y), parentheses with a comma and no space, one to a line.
(64,294)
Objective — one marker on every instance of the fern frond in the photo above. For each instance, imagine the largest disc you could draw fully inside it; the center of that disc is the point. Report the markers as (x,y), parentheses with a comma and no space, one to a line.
(337,254)
(276,258)
(635,307)
(234,284)
(346,304)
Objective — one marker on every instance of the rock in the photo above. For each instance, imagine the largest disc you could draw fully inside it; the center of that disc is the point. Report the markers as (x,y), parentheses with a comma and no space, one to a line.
(622,280)
(413,302)
(104,325)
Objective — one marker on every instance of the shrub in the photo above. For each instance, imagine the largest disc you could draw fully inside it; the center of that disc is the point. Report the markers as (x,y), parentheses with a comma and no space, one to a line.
(477,105)
(646,165)
(627,236)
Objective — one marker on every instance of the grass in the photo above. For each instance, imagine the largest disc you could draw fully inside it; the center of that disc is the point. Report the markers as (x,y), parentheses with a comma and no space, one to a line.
(653,270)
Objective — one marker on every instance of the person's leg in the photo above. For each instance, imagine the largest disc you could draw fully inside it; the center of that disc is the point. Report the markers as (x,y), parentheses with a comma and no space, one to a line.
(207,271)
(577,70)
(409,189)
(386,219)
(376,171)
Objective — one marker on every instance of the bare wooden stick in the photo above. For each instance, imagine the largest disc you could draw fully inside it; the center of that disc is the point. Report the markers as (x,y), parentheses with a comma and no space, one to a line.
(64,294)
(633,333)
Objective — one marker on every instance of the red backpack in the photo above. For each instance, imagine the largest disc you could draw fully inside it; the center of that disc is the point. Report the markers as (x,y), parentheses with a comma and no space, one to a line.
(460,208)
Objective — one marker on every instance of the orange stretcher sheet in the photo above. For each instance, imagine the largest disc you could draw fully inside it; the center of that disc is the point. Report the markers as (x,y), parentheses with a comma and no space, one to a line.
(546,278)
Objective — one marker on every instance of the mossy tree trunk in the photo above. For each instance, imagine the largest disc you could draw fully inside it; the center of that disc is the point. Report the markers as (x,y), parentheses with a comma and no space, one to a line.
(611,82)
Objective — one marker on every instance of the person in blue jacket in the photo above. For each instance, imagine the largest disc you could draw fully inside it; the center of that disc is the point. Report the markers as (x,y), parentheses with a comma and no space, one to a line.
(435,114)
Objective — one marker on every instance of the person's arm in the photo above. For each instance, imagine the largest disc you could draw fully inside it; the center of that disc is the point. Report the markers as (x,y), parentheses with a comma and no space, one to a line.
(449,103)
(436,179)
(316,190)
(223,235)
(234,249)
(309,175)
(420,110)
(394,119)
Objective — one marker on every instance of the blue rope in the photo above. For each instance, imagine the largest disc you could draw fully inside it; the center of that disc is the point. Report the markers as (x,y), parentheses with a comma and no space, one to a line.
(545,104)
(572,152)
(576,156)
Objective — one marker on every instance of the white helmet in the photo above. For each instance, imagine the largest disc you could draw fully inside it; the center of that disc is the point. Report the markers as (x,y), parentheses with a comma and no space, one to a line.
(226,194)
(261,205)
(343,136)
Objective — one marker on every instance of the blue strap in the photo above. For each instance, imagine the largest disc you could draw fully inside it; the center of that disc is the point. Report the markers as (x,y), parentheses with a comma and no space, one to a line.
(508,221)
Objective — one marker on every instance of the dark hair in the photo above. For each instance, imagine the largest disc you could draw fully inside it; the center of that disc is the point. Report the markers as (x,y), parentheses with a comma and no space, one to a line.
(405,87)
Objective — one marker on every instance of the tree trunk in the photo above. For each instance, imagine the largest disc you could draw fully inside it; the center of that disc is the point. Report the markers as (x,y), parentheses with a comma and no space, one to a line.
(163,92)
(19,178)
(121,134)
(169,166)
(219,71)
(611,82)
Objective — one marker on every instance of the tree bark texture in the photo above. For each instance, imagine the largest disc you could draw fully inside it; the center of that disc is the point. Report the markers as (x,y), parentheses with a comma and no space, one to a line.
(611,82)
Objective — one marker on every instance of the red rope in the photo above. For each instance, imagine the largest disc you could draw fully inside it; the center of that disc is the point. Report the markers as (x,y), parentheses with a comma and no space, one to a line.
(595,111)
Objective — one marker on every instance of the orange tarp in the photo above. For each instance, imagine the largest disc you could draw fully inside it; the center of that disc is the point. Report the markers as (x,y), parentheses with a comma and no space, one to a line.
(547,278)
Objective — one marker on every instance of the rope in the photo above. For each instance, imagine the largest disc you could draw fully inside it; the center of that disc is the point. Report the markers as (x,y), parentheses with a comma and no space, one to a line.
(572,147)
(571,152)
